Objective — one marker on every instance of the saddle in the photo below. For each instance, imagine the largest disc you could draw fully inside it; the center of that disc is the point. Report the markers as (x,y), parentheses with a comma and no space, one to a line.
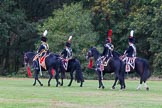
(102,62)
(41,60)
(130,63)
(105,61)
(65,63)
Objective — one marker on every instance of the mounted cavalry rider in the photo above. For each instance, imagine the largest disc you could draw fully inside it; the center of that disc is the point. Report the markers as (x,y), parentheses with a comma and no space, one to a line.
(108,48)
(130,53)
(42,51)
(67,53)
(106,54)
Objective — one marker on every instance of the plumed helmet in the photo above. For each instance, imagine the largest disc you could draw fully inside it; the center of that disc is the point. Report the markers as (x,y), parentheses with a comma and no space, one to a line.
(68,44)
(107,40)
(131,33)
(131,40)
(109,33)
(109,36)
(44,39)
(131,37)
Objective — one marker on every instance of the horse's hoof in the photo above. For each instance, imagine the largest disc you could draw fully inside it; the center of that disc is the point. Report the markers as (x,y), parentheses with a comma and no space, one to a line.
(49,85)
(61,84)
(41,84)
(121,89)
(33,84)
(69,85)
(103,87)
(113,87)
(147,88)
(81,85)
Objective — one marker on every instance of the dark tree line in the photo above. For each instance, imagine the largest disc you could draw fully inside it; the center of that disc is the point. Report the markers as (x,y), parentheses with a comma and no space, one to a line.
(22,22)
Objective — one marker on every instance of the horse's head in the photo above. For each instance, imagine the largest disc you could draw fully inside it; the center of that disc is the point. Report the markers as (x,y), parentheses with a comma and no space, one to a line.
(89,53)
(28,58)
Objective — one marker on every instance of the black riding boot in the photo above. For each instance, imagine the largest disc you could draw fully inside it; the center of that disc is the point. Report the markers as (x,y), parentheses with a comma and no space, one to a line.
(36,65)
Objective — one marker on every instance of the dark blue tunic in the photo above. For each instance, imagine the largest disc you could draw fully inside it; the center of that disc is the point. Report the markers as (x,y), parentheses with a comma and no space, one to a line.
(131,51)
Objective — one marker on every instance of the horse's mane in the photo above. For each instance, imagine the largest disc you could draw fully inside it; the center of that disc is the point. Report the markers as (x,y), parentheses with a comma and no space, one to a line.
(95,50)
(115,53)
(30,54)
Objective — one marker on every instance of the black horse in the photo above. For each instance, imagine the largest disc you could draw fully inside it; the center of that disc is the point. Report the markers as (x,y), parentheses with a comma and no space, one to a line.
(73,66)
(52,61)
(114,65)
(141,68)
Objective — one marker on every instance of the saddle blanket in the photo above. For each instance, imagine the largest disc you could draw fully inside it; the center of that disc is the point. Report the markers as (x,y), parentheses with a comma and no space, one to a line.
(130,63)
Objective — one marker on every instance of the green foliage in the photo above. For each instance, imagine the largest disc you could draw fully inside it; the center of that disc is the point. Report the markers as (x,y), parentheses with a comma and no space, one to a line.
(143,16)
(86,20)
(147,23)
(70,20)
(15,31)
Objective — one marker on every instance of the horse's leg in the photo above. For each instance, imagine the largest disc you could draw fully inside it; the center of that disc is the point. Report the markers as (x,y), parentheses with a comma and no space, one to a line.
(40,82)
(121,78)
(57,78)
(34,82)
(62,82)
(81,84)
(62,78)
(71,78)
(37,72)
(123,86)
(36,78)
(140,85)
(121,83)
(50,77)
(116,79)
(100,80)
(146,86)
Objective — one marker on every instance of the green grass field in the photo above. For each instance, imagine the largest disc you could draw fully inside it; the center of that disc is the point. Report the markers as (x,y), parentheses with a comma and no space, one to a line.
(19,93)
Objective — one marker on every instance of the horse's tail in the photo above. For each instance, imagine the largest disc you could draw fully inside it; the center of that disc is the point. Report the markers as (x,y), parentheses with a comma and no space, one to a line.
(78,73)
(146,73)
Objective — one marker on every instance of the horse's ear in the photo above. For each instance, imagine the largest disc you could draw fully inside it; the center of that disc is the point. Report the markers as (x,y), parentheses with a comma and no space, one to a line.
(91,47)
(23,53)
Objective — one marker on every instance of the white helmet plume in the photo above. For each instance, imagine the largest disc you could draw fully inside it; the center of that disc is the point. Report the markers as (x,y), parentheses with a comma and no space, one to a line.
(131,33)
(45,33)
(70,38)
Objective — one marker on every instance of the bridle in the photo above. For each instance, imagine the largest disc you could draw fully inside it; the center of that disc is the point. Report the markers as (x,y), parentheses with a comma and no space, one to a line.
(26,60)
(89,54)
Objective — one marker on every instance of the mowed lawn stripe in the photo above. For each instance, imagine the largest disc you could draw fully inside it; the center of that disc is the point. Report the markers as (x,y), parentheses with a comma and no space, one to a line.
(19,92)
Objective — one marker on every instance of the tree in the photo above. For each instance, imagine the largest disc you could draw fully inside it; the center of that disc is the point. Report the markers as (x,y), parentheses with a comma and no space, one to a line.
(13,30)
(70,20)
